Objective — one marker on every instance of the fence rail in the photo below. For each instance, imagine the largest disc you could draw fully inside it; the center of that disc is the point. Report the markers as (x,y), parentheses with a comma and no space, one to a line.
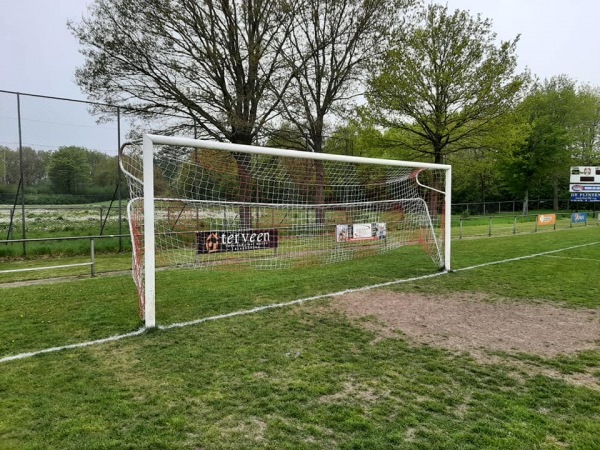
(516,206)
(502,225)
(91,264)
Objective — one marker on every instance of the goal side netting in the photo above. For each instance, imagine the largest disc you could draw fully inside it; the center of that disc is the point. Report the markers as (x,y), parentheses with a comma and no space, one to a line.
(211,205)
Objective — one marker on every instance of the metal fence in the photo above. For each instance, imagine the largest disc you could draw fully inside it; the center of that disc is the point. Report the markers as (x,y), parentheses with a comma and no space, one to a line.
(31,128)
(509,224)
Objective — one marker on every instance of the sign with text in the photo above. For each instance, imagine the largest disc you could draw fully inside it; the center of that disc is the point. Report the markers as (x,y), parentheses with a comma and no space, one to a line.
(585,174)
(579,218)
(360,232)
(585,188)
(585,196)
(585,184)
(546,219)
(235,241)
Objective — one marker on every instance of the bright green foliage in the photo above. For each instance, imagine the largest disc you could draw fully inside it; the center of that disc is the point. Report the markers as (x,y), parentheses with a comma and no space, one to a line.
(586,144)
(444,82)
(552,119)
(69,170)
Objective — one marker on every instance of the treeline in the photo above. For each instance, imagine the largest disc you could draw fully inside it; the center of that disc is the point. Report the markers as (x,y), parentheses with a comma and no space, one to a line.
(407,79)
(526,153)
(68,175)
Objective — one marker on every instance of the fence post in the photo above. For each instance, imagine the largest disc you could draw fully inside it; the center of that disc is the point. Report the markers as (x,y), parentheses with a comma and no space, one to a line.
(460,233)
(21,176)
(515,226)
(490,231)
(119,178)
(93,268)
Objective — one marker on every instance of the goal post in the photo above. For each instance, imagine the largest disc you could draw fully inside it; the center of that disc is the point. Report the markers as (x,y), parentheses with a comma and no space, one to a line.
(205,205)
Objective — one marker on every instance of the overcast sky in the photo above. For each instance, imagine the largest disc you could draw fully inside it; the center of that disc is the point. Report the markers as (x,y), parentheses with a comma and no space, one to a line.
(39,55)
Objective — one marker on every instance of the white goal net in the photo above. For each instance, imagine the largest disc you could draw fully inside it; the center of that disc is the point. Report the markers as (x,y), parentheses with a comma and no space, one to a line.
(210,205)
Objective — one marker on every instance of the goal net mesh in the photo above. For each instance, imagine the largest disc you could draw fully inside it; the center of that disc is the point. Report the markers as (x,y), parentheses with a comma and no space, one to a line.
(220,209)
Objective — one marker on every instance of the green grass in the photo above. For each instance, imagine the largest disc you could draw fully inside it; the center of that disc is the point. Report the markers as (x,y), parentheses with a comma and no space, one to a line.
(297,377)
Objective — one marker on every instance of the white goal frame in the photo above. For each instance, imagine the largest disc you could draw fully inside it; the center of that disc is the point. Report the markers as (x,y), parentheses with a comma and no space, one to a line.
(150,140)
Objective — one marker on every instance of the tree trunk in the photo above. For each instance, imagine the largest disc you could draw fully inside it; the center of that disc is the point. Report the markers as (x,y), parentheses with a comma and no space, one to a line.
(319,192)
(526,202)
(243,161)
(555,186)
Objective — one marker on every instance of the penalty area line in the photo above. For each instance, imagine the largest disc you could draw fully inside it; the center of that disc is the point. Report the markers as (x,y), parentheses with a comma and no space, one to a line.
(279,305)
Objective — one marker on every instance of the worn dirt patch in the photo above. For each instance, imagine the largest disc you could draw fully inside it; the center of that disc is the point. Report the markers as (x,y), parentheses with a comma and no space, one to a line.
(473,324)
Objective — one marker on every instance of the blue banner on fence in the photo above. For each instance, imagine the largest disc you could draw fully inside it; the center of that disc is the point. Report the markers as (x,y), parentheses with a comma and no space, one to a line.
(585,197)
(579,218)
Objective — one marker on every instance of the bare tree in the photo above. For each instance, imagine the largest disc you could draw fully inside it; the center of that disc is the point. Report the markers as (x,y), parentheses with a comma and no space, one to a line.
(217,63)
(331,46)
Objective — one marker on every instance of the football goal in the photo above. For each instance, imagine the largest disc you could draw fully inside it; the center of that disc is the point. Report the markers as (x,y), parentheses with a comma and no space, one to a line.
(213,205)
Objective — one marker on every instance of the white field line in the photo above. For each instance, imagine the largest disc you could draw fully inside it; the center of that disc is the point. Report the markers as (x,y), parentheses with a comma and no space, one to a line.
(277,305)
(71,346)
(577,259)
(520,258)
(296,302)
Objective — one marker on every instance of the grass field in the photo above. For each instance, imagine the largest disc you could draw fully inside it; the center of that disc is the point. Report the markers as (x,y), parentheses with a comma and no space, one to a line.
(307,375)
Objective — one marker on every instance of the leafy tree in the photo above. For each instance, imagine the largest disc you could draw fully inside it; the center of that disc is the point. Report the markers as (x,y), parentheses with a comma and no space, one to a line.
(444,82)
(34,165)
(69,170)
(550,120)
(4,152)
(104,170)
(357,138)
(586,145)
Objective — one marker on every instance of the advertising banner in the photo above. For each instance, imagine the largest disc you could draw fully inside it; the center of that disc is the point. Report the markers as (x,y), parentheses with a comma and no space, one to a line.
(235,241)
(584,188)
(579,218)
(585,197)
(546,219)
(360,232)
